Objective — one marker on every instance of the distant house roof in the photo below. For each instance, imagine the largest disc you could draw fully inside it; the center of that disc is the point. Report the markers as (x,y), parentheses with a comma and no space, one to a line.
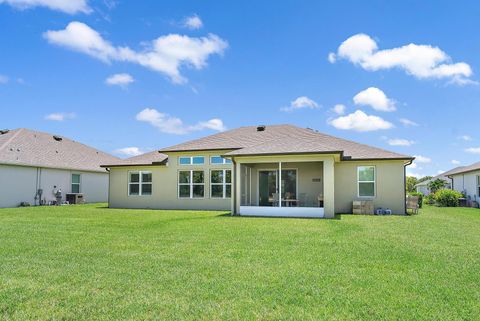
(465,169)
(443,176)
(283,139)
(151,158)
(38,149)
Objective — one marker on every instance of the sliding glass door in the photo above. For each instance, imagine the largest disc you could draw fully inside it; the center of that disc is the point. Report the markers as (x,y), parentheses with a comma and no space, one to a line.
(268,188)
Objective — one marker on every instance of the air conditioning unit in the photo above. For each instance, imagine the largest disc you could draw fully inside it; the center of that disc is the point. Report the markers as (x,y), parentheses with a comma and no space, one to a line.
(75,198)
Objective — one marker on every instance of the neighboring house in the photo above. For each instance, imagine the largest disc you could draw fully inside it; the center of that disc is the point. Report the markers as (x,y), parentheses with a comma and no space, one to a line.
(32,160)
(467,180)
(279,170)
(423,188)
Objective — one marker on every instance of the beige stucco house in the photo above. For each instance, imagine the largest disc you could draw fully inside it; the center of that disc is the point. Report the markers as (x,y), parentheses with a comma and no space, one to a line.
(33,164)
(278,170)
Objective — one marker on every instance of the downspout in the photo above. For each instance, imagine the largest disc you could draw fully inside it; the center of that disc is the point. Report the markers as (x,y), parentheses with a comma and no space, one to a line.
(451,182)
(234,190)
(36,190)
(108,195)
(405,184)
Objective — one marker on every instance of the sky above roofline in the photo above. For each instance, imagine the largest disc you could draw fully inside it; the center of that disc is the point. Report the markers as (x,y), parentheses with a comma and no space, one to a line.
(131,77)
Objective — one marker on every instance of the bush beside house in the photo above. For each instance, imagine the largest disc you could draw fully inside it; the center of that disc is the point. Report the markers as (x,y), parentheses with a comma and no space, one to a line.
(443,198)
(447,198)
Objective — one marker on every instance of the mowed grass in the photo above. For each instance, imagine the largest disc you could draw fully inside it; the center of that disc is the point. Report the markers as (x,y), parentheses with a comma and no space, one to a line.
(91,262)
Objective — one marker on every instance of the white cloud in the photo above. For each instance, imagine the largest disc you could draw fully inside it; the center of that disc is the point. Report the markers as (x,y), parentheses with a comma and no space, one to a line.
(412,173)
(165,54)
(422,159)
(60,116)
(332,58)
(407,122)
(301,103)
(122,80)
(213,124)
(374,98)
(339,109)
(173,125)
(400,142)
(68,6)
(440,171)
(473,150)
(455,162)
(193,22)
(359,121)
(466,138)
(420,61)
(129,151)
(3,79)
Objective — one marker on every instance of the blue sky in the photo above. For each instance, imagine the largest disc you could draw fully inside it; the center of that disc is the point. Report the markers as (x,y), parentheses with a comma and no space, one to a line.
(143,75)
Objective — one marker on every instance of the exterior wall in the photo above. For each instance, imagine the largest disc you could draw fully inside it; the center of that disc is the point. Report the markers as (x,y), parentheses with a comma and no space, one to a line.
(467,183)
(24,182)
(165,186)
(390,188)
(18,185)
(423,189)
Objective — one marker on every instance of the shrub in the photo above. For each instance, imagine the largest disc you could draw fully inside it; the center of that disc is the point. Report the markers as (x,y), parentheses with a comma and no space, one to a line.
(429,199)
(447,198)
(437,185)
(420,198)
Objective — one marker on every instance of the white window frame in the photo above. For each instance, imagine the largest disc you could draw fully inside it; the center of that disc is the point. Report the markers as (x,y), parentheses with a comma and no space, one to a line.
(191,160)
(224,184)
(191,184)
(225,161)
(374,181)
(79,182)
(140,183)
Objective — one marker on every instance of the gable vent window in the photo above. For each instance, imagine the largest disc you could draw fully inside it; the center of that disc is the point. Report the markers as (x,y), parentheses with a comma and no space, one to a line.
(219,160)
(193,160)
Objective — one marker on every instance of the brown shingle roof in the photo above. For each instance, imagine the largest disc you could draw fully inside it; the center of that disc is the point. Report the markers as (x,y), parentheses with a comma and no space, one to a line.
(465,169)
(283,139)
(32,148)
(151,158)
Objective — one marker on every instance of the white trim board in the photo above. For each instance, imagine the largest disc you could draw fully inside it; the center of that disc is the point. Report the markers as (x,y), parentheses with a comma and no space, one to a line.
(282,211)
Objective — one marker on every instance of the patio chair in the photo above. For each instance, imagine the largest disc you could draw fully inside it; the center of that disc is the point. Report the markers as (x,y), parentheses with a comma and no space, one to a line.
(320,200)
(412,204)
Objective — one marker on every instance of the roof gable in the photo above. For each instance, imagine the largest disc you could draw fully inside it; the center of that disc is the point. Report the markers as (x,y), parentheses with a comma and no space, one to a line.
(151,158)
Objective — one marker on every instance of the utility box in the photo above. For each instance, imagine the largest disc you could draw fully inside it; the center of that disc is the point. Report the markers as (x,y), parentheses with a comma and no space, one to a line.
(363,207)
(75,198)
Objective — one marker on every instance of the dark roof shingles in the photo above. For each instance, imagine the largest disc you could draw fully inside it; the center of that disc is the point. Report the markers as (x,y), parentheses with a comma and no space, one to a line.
(282,139)
(32,148)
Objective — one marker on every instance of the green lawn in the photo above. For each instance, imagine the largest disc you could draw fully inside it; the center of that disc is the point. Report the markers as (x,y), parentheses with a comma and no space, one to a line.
(91,262)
